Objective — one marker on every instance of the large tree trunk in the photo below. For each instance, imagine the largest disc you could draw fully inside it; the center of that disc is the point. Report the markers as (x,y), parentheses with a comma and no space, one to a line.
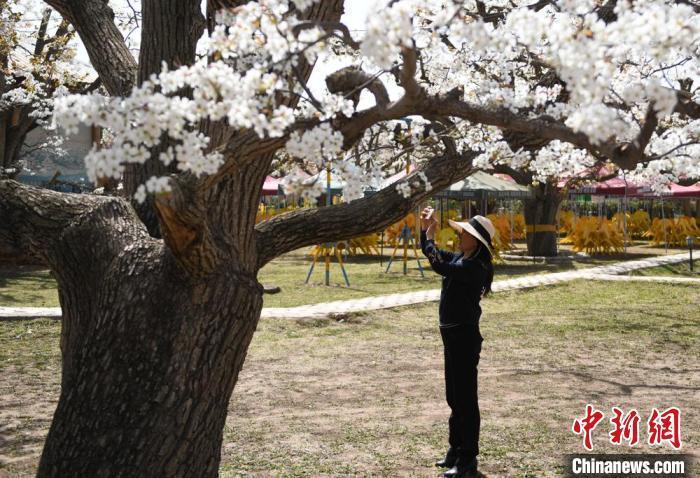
(540,220)
(4,120)
(151,352)
(150,359)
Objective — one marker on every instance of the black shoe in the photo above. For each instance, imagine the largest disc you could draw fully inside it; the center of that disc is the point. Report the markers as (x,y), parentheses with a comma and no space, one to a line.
(462,469)
(449,460)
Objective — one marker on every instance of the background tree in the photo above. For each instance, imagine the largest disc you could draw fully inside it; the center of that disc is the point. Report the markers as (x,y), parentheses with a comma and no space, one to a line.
(37,60)
(155,331)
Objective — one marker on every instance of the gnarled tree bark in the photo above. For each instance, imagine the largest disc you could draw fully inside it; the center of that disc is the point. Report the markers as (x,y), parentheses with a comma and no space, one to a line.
(150,353)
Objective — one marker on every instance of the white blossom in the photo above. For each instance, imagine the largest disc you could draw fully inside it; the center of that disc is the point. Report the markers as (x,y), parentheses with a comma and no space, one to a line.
(388,29)
(404,189)
(318,143)
(607,76)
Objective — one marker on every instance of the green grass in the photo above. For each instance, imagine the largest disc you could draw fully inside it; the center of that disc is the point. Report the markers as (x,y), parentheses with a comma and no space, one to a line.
(30,344)
(34,287)
(27,286)
(681,269)
(368,278)
(363,395)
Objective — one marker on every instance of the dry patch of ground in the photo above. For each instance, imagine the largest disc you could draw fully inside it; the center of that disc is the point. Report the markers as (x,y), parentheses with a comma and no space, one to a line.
(364,396)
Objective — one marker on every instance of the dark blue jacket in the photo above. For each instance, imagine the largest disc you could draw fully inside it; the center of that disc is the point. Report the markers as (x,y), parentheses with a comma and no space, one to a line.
(463,283)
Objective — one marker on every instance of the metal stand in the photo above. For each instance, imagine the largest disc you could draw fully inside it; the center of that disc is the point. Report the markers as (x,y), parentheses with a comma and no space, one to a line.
(381,252)
(624,216)
(326,251)
(328,247)
(408,240)
(663,221)
(689,240)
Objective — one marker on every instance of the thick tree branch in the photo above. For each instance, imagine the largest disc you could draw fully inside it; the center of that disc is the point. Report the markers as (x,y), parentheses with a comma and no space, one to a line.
(520,176)
(109,55)
(170,32)
(33,220)
(651,121)
(304,227)
(407,75)
(498,14)
(692,3)
(351,80)
(504,118)
(686,106)
(41,33)
(330,27)
(205,220)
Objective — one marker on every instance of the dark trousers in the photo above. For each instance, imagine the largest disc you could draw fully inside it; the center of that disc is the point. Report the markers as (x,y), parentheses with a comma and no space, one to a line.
(462,346)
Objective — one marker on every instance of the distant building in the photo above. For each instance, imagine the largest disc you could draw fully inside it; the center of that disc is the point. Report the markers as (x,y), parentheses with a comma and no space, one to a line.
(60,168)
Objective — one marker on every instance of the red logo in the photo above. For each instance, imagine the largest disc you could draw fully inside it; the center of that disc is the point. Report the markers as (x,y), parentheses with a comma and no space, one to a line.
(584,426)
(665,426)
(626,427)
(662,427)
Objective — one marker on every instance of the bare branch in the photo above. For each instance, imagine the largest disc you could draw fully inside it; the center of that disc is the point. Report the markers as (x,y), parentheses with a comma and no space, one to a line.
(351,80)
(109,55)
(302,81)
(329,27)
(674,149)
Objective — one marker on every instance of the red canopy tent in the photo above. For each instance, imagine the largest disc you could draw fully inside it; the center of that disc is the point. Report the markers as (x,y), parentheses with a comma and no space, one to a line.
(676,191)
(617,186)
(271,186)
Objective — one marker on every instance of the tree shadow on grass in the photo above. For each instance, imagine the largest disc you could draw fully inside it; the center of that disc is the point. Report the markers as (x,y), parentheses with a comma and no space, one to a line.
(22,435)
(625,388)
(24,285)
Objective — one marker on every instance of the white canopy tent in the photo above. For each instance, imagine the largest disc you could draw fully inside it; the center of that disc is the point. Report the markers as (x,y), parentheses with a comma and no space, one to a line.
(481,185)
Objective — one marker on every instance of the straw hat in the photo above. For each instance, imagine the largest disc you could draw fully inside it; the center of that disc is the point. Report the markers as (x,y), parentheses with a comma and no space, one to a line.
(480,227)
